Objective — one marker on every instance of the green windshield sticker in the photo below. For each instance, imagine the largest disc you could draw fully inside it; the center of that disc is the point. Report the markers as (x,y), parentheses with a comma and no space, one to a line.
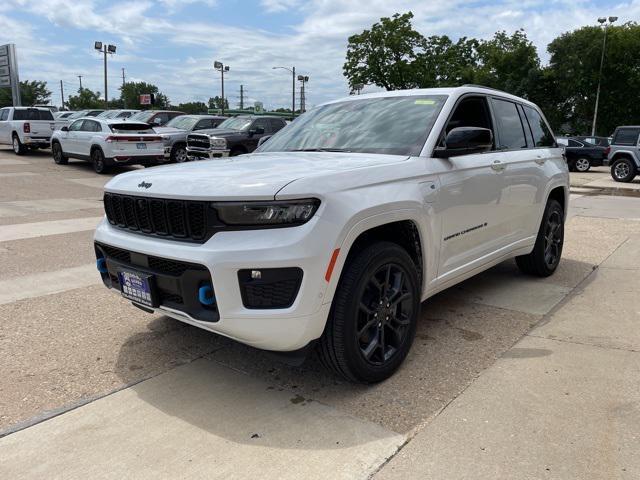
(422,101)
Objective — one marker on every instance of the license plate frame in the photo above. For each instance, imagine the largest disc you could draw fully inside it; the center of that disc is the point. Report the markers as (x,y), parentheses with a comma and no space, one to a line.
(141,146)
(138,287)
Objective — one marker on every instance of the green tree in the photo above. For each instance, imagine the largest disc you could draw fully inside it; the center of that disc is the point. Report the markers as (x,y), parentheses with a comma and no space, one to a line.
(34,92)
(443,63)
(507,62)
(216,102)
(130,95)
(193,107)
(385,55)
(85,99)
(572,75)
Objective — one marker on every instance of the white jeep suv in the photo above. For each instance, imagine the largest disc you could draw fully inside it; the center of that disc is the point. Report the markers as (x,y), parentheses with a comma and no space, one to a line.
(106,142)
(335,230)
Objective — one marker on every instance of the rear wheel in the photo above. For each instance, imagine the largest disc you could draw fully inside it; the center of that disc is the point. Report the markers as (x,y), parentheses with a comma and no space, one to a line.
(58,154)
(623,170)
(97,158)
(18,146)
(179,154)
(545,257)
(374,315)
(582,165)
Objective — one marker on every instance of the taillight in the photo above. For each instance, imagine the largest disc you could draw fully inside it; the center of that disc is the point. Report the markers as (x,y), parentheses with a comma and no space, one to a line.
(131,138)
(26,127)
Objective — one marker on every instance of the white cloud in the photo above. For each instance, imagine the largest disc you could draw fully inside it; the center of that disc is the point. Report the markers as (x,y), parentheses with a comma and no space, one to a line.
(316,44)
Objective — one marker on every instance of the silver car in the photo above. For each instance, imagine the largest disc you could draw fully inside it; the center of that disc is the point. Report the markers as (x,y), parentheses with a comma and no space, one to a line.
(174,133)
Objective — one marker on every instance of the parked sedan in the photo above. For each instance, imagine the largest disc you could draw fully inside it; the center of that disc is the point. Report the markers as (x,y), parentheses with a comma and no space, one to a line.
(582,155)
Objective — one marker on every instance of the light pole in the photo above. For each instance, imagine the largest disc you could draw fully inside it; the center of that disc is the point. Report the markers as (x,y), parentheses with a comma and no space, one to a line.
(303,79)
(222,68)
(602,21)
(110,49)
(293,88)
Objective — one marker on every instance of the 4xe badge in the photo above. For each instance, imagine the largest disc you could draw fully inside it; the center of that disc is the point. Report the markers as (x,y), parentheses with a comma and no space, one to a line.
(144,184)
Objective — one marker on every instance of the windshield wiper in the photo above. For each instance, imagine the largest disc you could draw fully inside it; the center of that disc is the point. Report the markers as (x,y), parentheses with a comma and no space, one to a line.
(321,150)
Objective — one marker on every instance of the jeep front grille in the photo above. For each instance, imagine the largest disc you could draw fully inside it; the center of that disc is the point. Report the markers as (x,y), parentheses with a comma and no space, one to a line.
(183,220)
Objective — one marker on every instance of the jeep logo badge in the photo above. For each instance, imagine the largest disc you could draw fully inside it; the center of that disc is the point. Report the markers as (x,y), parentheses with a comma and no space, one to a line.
(144,184)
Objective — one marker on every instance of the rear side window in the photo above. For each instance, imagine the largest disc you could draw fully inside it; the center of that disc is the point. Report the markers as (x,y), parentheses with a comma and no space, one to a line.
(626,136)
(542,135)
(32,114)
(510,129)
(131,128)
(573,143)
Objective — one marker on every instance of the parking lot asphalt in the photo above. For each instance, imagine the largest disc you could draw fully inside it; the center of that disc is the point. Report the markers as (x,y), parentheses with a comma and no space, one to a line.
(69,345)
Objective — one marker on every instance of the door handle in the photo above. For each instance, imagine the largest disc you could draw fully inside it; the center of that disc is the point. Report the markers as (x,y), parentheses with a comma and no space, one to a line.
(498,166)
(540,160)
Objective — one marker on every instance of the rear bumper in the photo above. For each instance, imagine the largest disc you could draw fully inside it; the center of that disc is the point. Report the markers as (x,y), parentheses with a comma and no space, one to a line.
(37,141)
(124,159)
(199,153)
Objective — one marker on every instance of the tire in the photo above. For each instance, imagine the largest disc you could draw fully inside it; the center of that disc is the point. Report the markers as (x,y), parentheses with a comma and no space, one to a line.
(58,155)
(97,159)
(363,303)
(18,146)
(582,165)
(623,170)
(547,251)
(179,153)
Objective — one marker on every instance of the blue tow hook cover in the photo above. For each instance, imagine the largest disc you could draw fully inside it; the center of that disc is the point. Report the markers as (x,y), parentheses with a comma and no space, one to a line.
(205,295)
(101,264)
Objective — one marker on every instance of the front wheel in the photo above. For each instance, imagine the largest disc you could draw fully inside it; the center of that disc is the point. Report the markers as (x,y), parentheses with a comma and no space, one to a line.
(374,315)
(179,154)
(58,154)
(623,170)
(545,257)
(97,158)
(582,165)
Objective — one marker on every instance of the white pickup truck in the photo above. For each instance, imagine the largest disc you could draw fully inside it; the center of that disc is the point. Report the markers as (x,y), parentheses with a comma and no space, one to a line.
(27,128)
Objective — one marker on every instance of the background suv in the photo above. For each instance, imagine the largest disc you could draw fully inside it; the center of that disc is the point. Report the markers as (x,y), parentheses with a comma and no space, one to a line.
(107,142)
(624,153)
(174,134)
(332,234)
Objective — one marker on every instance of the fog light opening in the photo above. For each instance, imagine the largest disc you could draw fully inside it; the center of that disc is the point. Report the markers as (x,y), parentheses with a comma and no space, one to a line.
(205,295)
(101,265)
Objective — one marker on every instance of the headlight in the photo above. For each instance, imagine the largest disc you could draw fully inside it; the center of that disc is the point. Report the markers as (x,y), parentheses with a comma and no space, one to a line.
(166,141)
(286,212)
(218,143)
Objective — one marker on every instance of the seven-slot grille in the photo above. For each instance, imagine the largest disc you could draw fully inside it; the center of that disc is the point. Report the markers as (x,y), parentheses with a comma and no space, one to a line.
(177,219)
(199,141)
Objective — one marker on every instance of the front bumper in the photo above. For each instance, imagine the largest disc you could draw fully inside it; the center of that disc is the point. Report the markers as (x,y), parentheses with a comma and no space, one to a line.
(224,256)
(200,153)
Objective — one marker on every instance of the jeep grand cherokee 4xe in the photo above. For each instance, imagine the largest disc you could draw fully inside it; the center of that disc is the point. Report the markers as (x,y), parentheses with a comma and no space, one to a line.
(332,233)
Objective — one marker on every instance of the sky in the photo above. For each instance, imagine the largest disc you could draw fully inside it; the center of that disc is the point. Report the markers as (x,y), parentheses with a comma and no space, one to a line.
(173,43)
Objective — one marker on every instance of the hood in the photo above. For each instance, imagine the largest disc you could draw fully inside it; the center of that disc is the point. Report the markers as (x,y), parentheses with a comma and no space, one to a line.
(167,130)
(257,176)
(218,132)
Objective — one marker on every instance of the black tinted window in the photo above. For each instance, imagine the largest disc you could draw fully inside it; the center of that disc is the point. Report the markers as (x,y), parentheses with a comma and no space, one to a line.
(510,130)
(32,114)
(627,136)
(542,136)
(573,143)
(260,123)
(276,124)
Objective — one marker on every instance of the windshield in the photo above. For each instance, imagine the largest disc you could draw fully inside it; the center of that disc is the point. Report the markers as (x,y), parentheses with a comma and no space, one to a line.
(237,123)
(143,116)
(183,122)
(391,125)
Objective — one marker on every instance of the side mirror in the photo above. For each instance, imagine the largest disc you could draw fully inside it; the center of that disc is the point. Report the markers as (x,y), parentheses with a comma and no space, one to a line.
(65,129)
(264,139)
(465,141)
(256,131)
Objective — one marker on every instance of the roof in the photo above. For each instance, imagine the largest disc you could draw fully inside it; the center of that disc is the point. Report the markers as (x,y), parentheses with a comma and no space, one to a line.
(449,91)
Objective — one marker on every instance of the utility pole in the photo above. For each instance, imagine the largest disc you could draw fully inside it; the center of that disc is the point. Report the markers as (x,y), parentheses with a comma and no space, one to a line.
(602,21)
(124,102)
(303,99)
(241,97)
(80,78)
(293,88)
(62,93)
(105,49)
(223,68)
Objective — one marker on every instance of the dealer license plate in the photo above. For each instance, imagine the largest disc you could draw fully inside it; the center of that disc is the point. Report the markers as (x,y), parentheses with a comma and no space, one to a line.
(137,287)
